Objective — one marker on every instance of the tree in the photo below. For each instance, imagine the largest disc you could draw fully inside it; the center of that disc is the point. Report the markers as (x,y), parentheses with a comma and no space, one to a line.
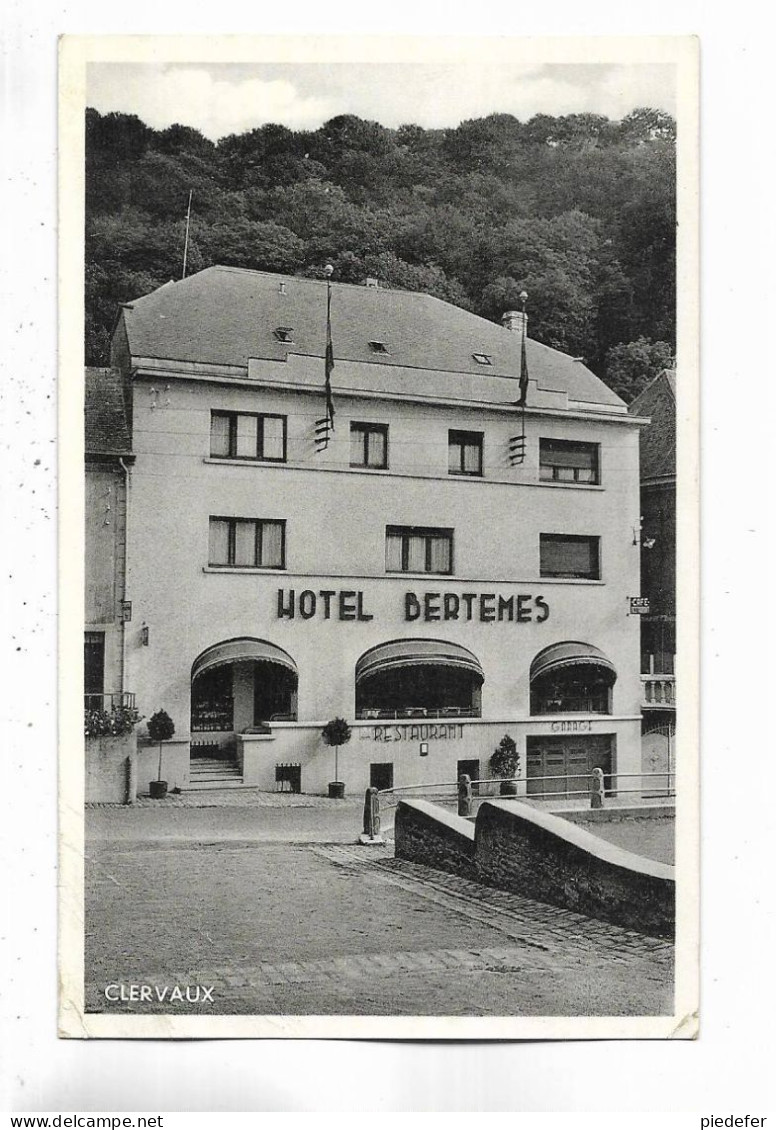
(630,366)
(336,732)
(160,729)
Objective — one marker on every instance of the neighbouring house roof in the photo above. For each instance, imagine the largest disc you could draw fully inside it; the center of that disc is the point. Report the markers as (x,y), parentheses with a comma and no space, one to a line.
(105,418)
(657,441)
(227,315)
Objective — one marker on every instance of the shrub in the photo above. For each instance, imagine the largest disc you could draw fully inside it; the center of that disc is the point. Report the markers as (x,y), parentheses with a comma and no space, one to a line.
(505,760)
(109,723)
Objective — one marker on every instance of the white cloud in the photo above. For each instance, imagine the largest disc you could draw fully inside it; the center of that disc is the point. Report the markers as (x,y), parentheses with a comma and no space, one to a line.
(192,96)
(223,99)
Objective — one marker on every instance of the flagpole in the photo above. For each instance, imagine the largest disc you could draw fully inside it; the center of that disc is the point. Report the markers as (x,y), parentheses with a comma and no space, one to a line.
(186,243)
(325,426)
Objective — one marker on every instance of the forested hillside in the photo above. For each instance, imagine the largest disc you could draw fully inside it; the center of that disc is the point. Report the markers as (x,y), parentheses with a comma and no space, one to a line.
(577,210)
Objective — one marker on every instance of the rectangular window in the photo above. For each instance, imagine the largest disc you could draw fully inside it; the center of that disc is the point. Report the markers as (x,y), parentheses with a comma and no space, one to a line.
(248,435)
(94,669)
(253,543)
(569,555)
(369,446)
(464,453)
(412,549)
(567,461)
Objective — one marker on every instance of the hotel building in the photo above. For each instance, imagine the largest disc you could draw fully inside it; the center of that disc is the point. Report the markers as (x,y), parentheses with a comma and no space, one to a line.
(448,568)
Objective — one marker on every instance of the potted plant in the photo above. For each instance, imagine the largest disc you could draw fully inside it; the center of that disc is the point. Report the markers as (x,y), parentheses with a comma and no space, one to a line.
(160,729)
(336,733)
(505,763)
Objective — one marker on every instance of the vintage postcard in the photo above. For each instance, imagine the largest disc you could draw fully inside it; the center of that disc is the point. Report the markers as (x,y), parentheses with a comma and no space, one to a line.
(379,407)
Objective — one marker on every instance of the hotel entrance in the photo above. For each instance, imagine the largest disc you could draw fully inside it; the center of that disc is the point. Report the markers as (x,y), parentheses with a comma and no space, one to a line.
(570,760)
(238,685)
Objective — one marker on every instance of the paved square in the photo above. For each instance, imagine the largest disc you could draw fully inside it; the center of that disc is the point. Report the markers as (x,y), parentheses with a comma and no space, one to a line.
(310,928)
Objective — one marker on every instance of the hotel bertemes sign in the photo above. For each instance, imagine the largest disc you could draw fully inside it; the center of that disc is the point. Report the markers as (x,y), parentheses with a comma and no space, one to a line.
(429,607)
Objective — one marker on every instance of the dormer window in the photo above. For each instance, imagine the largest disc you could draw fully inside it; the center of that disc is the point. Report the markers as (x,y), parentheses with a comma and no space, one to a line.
(378,346)
(482,358)
(284,334)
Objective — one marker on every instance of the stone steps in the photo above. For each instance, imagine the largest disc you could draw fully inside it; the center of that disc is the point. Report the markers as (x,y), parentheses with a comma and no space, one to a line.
(214,773)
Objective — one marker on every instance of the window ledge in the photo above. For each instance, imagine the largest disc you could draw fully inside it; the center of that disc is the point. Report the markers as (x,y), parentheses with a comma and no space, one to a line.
(231,461)
(242,569)
(570,486)
(572,580)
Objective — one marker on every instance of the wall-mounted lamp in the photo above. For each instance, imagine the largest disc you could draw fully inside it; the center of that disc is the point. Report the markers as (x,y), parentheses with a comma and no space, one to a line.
(424,749)
(637,530)
(144,635)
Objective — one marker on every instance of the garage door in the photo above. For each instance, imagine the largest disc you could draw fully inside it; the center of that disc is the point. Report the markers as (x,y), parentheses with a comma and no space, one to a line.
(561,767)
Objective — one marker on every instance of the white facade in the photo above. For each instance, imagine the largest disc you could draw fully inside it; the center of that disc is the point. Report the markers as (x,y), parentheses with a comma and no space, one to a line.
(495,602)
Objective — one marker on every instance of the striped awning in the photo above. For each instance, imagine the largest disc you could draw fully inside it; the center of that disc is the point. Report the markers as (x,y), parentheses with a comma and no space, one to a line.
(417,653)
(240,651)
(570,653)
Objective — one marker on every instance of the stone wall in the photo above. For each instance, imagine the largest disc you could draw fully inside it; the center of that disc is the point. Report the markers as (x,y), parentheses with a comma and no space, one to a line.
(428,834)
(518,848)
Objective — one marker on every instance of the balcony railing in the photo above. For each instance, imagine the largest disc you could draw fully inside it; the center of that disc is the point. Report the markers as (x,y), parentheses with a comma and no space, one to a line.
(410,712)
(113,701)
(658,692)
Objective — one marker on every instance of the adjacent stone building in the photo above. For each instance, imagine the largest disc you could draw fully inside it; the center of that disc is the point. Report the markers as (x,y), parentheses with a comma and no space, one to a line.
(658,567)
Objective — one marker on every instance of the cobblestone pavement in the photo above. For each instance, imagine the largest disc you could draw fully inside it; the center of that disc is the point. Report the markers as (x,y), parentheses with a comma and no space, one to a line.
(235,798)
(342,929)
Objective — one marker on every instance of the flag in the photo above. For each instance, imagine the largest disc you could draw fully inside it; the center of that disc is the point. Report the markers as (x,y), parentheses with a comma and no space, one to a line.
(329,364)
(523,371)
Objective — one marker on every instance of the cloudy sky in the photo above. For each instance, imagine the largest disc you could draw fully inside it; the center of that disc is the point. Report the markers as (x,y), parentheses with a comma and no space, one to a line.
(224,98)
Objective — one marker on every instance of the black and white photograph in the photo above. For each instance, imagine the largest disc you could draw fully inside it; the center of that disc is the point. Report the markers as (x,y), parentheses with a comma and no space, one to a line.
(380,380)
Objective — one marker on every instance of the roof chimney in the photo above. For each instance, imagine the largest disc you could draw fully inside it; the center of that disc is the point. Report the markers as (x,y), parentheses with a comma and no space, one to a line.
(514,320)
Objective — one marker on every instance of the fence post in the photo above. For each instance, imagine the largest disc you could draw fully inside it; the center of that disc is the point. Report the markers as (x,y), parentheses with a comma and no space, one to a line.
(372,813)
(464,795)
(597,788)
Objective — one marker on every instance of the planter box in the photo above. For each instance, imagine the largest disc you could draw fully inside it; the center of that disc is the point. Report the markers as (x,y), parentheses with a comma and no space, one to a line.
(108,769)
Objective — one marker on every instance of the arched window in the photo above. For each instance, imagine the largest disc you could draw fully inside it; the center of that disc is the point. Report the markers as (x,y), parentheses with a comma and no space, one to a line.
(572,677)
(418,679)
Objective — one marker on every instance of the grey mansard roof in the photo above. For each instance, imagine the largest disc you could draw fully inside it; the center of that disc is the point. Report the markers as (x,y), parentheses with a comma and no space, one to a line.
(227,315)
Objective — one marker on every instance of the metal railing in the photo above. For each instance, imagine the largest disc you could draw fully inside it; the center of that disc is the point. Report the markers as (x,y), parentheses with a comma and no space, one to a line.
(658,785)
(408,713)
(113,701)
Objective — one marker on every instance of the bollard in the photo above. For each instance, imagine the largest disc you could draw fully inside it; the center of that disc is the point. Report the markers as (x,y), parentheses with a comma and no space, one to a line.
(464,795)
(371,813)
(597,788)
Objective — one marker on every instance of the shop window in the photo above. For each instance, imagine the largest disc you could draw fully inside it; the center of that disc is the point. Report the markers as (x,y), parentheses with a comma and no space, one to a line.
(573,690)
(567,461)
(464,453)
(274,693)
(212,705)
(248,435)
(412,692)
(415,549)
(369,445)
(569,555)
(252,543)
